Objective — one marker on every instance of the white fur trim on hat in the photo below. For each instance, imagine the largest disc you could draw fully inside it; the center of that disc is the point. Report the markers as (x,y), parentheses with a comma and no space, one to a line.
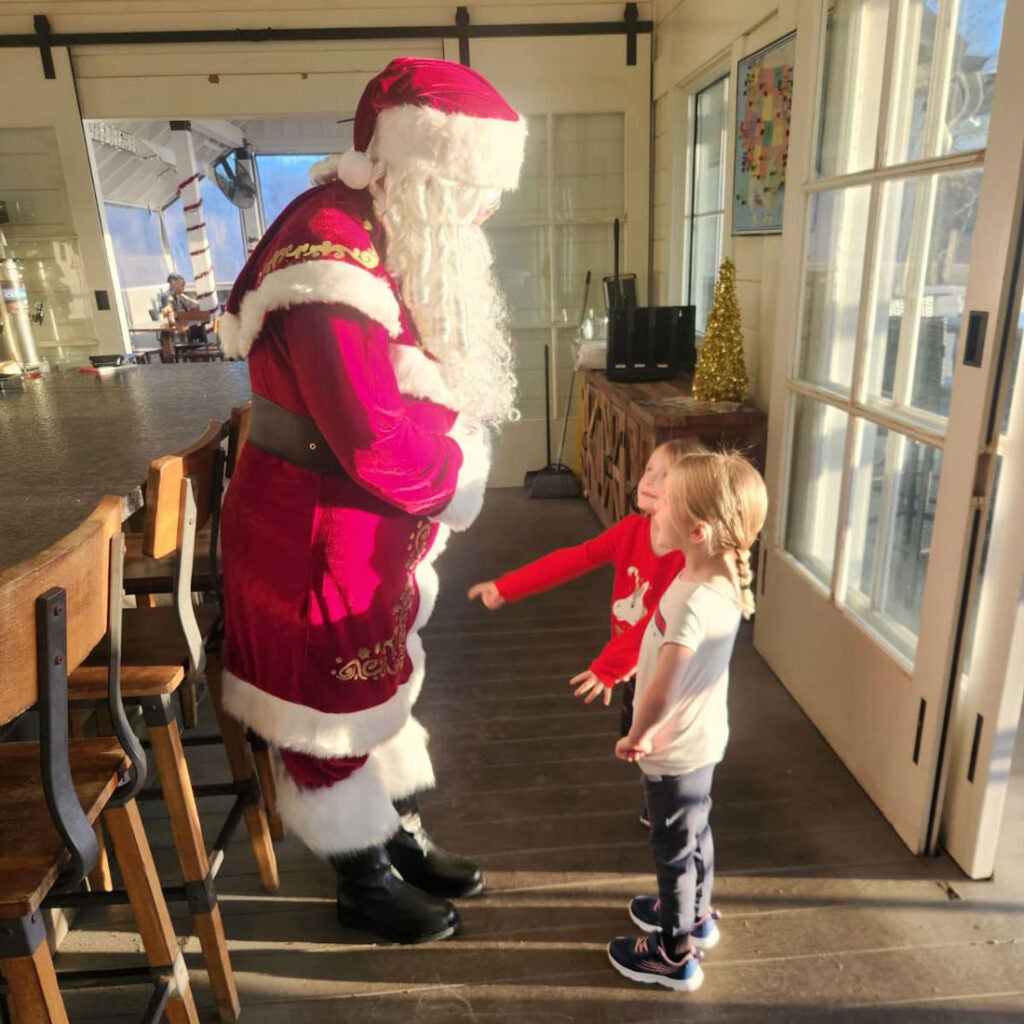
(311,281)
(482,152)
(355,169)
(468,500)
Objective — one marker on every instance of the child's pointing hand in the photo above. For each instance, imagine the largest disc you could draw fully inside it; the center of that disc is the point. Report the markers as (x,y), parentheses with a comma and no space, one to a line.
(488,593)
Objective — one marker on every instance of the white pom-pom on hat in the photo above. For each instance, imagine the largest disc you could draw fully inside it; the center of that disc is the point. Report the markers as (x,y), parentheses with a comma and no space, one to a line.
(355,169)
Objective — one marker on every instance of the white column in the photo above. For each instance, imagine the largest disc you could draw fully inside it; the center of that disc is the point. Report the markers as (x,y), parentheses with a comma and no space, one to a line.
(195,223)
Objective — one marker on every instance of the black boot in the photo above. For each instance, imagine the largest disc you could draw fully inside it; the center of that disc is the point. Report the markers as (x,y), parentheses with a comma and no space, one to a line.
(372,898)
(423,863)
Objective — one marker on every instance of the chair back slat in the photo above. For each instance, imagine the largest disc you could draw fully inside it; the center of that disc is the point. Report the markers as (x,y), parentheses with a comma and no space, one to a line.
(238,434)
(164,496)
(78,563)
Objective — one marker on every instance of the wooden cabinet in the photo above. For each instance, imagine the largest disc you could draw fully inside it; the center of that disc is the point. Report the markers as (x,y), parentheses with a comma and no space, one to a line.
(624,423)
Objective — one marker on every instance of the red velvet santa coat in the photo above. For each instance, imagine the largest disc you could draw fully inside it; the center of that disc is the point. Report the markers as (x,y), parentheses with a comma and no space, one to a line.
(328,579)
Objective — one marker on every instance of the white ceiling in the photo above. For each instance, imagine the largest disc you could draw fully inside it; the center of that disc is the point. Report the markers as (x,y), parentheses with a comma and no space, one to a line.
(139,169)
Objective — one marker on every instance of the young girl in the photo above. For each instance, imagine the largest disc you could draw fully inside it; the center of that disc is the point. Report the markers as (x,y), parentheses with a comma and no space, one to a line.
(643,569)
(712,510)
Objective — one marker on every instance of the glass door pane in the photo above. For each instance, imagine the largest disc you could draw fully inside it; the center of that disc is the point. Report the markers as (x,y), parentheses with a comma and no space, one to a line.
(926,231)
(834,268)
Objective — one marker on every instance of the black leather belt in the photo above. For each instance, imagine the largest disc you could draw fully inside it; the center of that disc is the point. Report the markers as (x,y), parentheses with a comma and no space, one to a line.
(296,439)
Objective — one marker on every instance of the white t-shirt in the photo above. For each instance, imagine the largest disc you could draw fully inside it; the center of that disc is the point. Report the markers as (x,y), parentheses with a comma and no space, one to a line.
(696,729)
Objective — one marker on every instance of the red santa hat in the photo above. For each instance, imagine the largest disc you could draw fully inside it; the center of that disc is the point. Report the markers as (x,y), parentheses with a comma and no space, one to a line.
(437,113)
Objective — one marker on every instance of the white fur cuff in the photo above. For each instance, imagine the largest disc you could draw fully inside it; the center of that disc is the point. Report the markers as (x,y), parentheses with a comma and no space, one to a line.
(403,763)
(351,815)
(468,499)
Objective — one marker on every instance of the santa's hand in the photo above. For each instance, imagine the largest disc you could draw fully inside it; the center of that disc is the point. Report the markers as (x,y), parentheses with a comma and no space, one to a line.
(488,593)
(628,749)
(590,687)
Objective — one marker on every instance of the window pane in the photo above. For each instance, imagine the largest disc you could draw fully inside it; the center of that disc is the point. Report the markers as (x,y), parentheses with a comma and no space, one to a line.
(224,230)
(579,248)
(138,251)
(946,104)
(709,146)
(832,285)
(851,86)
(706,245)
(282,178)
(589,169)
(529,203)
(521,265)
(815,477)
(924,249)
(893,489)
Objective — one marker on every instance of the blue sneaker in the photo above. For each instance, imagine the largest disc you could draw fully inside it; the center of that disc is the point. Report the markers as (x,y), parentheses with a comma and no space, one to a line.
(645,961)
(645,912)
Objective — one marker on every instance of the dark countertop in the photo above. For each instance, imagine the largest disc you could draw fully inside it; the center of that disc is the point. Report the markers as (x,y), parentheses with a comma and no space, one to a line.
(68,439)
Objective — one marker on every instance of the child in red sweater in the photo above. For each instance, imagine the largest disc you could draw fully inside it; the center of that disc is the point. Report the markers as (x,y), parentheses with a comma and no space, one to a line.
(643,569)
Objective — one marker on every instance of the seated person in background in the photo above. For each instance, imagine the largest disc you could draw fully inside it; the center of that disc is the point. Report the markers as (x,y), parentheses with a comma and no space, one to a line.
(175,296)
(177,300)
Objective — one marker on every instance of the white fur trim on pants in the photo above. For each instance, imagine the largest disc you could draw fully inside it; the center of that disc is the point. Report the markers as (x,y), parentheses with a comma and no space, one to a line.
(313,281)
(357,812)
(468,499)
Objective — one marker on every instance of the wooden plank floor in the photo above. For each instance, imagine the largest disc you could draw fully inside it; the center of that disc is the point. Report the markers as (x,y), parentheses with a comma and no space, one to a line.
(826,917)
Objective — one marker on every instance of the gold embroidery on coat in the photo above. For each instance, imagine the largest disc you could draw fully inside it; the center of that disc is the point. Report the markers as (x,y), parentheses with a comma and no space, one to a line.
(304,251)
(388,657)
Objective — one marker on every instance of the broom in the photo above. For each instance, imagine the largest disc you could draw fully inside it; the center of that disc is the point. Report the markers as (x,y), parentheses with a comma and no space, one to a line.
(555,480)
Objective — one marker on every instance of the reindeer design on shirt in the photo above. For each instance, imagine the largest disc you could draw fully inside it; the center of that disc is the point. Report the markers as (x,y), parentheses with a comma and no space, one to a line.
(631,609)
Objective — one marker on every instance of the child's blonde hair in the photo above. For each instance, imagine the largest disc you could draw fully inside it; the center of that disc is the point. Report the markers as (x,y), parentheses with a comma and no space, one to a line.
(676,450)
(723,490)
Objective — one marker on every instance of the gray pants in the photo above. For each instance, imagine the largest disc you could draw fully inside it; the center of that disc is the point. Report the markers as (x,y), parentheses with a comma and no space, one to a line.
(684,854)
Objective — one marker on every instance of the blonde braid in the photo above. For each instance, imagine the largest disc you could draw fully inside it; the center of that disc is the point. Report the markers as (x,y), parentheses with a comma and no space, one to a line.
(745,578)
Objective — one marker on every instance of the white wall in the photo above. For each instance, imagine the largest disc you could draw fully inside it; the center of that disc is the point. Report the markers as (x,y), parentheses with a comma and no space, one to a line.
(694,39)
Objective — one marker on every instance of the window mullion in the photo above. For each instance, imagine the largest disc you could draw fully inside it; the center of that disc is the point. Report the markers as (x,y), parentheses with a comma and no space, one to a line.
(889,63)
(942,65)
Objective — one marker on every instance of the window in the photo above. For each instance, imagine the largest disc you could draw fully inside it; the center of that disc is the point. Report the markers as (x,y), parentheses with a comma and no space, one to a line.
(549,233)
(890,221)
(282,178)
(707,197)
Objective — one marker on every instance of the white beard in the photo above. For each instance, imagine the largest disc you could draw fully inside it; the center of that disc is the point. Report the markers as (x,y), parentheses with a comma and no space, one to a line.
(445,273)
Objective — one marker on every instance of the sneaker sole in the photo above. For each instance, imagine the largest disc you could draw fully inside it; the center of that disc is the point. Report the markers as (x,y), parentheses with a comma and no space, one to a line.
(644,926)
(709,943)
(676,984)
(702,944)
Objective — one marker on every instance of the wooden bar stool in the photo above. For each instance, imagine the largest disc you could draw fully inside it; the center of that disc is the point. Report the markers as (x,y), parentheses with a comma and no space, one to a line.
(54,609)
(161,648)
(147,576)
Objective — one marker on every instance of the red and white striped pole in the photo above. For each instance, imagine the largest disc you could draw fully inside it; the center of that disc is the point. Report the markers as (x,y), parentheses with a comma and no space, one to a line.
(195,222)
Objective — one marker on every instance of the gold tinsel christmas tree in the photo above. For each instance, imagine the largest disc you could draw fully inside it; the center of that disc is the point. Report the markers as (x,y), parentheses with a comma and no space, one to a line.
(721,374)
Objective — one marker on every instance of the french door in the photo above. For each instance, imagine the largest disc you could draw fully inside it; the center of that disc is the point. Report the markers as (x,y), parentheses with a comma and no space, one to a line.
(895,316)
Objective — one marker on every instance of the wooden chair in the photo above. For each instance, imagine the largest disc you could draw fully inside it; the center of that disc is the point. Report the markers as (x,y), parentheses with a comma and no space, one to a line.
(147,576)
(54,609)
(162,648)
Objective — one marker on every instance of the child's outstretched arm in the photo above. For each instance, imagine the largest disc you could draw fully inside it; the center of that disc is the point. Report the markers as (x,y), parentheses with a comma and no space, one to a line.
(553,569)
(488,593)
(653,703)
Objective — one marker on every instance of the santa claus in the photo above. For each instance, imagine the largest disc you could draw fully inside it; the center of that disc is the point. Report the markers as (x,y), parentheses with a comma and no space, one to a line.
(380,361)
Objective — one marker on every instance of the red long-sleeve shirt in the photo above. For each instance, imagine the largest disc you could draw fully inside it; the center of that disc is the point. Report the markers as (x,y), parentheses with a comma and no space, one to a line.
(641,577)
